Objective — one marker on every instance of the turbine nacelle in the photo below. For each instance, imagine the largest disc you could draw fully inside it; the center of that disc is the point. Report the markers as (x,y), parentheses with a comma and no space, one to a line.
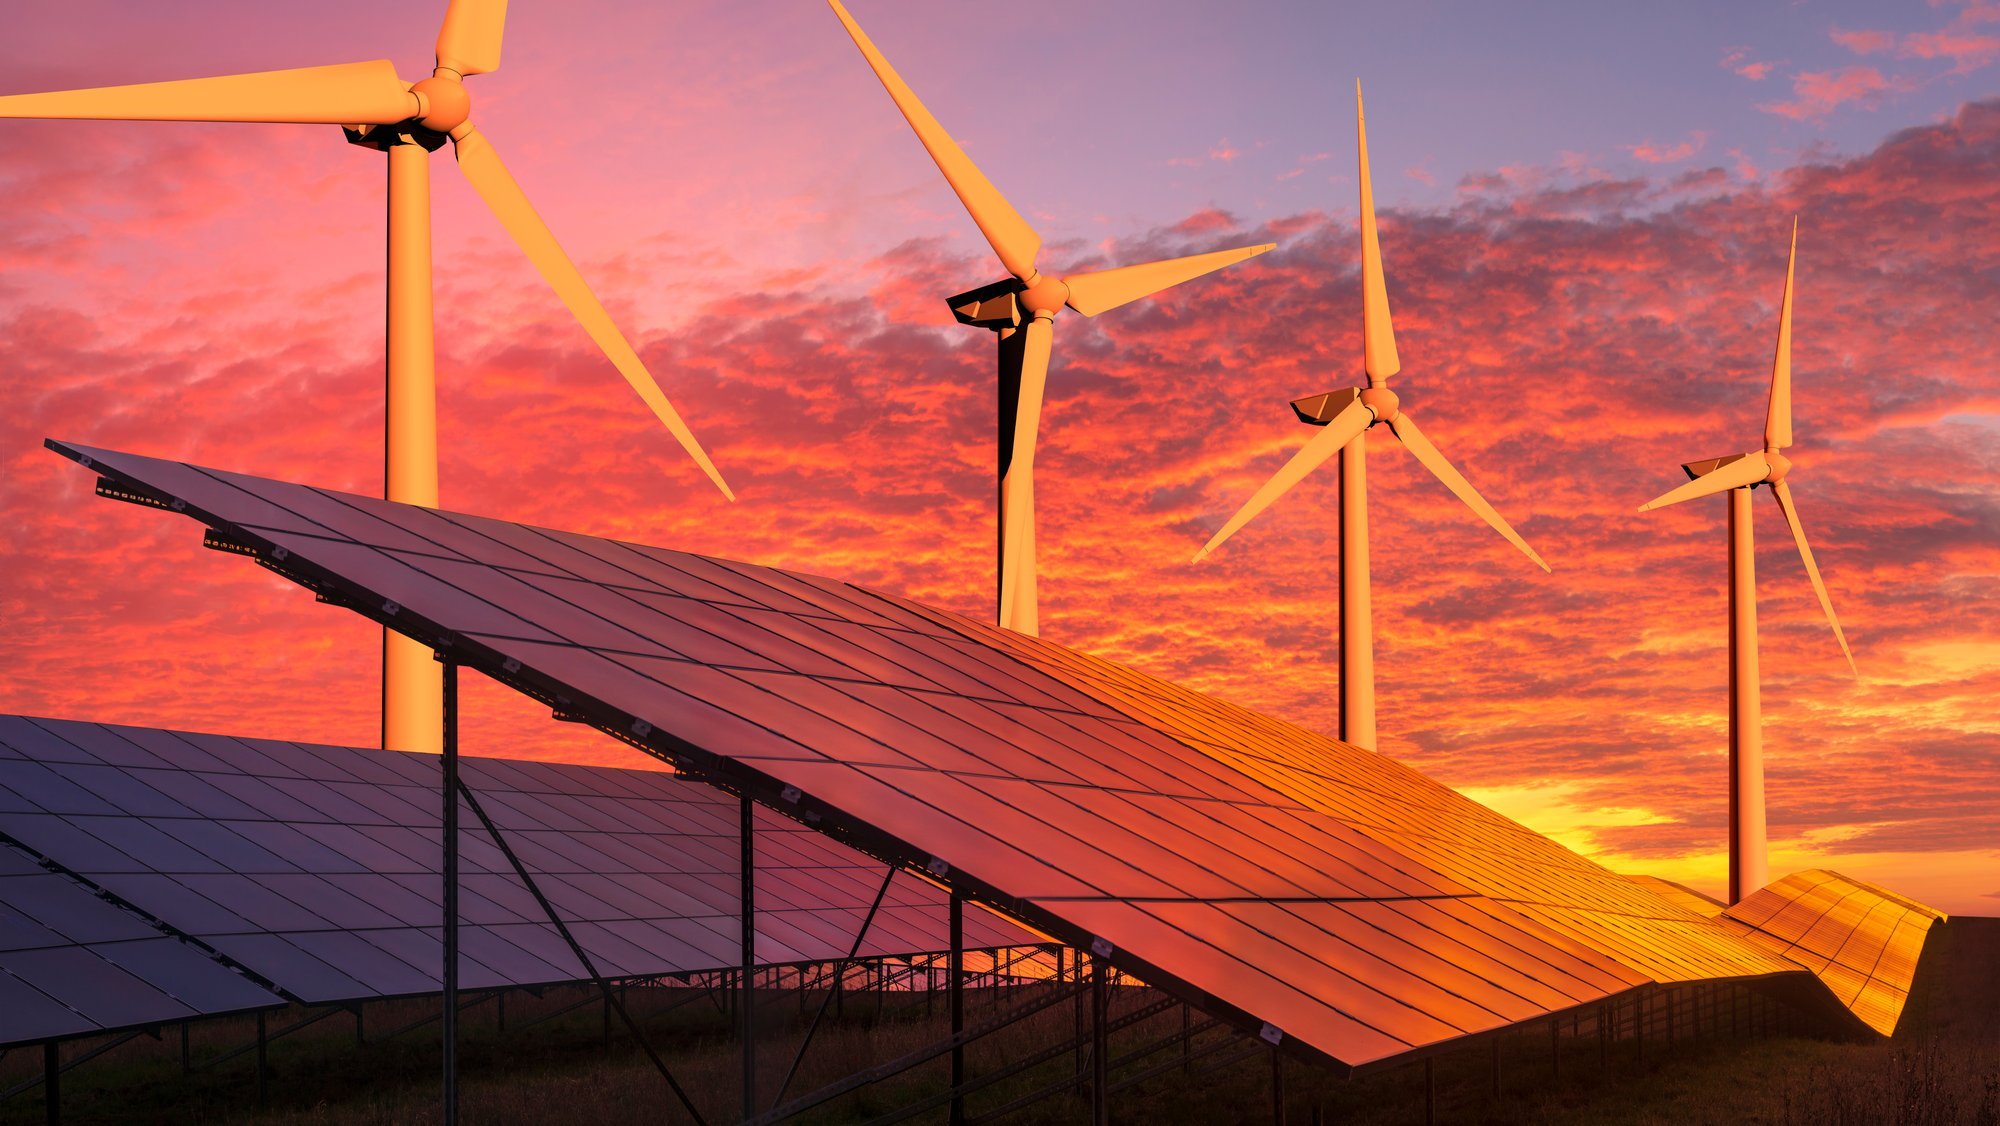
(1320,410)
(1776,464)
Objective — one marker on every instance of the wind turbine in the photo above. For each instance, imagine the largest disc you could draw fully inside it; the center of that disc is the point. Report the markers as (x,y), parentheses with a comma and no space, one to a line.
(1347,414)
(1737,475)
(1028,296)
(407,122)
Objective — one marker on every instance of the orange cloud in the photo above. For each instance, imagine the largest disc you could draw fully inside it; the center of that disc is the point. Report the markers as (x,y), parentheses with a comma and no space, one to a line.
(1567,345)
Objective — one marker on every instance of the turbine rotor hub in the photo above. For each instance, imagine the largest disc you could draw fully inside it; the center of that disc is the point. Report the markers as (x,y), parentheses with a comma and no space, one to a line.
(1780,465)
(1045,295)
(1382,401)
(442,103)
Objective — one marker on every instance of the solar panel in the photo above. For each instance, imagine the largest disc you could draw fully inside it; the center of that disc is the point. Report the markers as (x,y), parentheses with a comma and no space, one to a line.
(316,868)
(1861,942)
(72,963)
(1276,876)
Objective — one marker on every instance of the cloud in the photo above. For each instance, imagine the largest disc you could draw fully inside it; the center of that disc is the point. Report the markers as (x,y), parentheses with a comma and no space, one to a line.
(1566,342)
(1737,61)
(1819,93)
(1657,154)
(1864,42)
(1967,53)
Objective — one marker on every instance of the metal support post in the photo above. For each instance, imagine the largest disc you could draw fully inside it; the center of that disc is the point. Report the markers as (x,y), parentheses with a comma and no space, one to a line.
(1555,1049)
(1076,971)
(1430,1091)
(52,1082)
(1496,1067)
(450,1016)
(1100,1045)
(263,1041)
(957,1006)
(187,1057)
(1277,1087)
(748,924)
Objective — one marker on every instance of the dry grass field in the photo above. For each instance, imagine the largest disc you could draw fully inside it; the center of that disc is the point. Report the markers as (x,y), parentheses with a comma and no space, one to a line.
(1942,1068)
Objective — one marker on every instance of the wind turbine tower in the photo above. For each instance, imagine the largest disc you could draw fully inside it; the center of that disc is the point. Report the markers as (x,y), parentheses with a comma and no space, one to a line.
(1737,475)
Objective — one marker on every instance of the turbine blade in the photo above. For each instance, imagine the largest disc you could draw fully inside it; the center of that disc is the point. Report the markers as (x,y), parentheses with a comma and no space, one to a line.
(496,186)
(1746,470)
(1345,427)
(1094,292)
(1017,488)
(1010,236)
(346,94)
(469,41)
(1378,333)
(1784,494)
(1778,415)
(1421,448)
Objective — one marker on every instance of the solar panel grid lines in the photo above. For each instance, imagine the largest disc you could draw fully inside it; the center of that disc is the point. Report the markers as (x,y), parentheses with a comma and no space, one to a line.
(1860,942)
(341,902)
(1053,785)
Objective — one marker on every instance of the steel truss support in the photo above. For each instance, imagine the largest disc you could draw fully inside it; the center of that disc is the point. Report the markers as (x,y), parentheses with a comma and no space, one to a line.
(839,975)
(555,918)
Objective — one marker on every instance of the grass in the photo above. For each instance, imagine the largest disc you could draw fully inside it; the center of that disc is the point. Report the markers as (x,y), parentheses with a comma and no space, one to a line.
(1941,1069)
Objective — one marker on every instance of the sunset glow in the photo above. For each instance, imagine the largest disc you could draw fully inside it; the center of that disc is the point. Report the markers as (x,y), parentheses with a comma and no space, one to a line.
(1585,288)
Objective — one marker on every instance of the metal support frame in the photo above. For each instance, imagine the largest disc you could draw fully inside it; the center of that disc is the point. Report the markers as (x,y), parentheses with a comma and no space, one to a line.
(1100,1001)
(747,922)
(957,1008)
(583,959)
(839,974)
(449,794)
(52,1082)
(1277,1087)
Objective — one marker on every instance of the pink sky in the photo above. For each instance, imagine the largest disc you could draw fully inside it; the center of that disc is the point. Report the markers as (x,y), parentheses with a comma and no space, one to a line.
(1584,242)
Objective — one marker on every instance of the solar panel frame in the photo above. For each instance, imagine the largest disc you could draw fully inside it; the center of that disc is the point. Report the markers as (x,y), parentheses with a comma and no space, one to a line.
(1048,700)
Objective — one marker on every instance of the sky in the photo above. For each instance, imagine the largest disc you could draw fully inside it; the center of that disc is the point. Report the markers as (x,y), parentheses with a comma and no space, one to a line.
(1583,213)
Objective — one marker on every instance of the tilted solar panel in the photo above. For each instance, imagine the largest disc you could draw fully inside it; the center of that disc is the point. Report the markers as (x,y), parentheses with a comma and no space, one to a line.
(1281,879)
(317,867)
(1861,942)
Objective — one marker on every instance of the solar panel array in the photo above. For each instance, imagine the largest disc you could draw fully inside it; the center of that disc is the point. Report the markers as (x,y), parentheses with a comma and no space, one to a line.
(317,870)
(72,964)
(1860,941)
(1328,893)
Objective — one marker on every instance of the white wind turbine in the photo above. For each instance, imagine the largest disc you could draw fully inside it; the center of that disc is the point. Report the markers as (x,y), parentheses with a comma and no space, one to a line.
(1737,475)
(407,122)
(1028,296)
(1347,414)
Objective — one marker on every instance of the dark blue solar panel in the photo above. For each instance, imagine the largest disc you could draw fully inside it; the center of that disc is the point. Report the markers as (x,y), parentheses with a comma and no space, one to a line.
(316,867)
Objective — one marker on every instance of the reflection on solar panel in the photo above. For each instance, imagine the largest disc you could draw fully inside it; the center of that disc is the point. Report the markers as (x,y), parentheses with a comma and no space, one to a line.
(1326,895)
(1860,941)
(315,868)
